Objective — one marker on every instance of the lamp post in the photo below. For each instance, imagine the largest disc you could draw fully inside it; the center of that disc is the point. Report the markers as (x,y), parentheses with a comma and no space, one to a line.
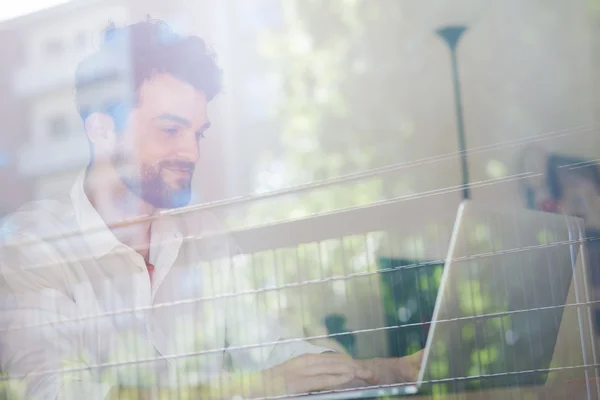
(451,36)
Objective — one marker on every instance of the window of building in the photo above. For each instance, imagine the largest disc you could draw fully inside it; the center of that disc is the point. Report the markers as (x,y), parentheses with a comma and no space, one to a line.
(58,127)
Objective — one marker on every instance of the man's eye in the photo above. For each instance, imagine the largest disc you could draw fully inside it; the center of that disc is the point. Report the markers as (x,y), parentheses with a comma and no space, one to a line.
(171,131)
(200,135)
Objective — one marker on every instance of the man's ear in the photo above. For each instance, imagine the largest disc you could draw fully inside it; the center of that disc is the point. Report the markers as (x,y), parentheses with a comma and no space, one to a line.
(100,129)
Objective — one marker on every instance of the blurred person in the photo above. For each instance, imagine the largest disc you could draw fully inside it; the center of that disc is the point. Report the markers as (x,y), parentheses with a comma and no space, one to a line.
(100,288)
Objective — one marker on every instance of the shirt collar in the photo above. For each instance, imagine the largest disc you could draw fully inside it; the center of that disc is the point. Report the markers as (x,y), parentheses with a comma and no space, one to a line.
(98,235)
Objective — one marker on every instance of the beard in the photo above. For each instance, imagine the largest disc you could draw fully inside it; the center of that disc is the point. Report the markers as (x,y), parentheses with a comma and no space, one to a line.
(148,183)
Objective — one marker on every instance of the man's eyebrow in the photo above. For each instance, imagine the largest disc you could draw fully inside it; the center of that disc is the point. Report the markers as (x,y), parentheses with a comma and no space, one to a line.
(174,118)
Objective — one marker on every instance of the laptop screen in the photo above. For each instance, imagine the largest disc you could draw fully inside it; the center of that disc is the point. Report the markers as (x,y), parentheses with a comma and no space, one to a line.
(501,301)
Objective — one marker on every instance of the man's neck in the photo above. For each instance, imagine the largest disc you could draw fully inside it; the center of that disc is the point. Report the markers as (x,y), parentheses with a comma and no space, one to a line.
(116,205)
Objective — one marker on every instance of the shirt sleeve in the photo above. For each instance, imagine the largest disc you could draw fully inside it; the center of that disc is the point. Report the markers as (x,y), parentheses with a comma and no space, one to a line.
(40,327)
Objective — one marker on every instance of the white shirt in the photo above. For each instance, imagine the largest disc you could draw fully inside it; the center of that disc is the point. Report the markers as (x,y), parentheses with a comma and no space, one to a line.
(73,298)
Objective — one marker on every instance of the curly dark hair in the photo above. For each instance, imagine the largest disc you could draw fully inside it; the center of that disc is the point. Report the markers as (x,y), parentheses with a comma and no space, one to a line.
(108,80)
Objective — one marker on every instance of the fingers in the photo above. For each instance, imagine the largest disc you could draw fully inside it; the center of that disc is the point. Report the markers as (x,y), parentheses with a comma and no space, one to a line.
(410,366)
(353,369)
(318,364)
(314,360)
(323,358)
(323,382)
(314,372)
(330,369)
(416,360)
(417,357)
(364,373)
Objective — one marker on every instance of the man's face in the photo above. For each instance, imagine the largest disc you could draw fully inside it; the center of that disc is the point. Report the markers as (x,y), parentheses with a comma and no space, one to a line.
(156,154)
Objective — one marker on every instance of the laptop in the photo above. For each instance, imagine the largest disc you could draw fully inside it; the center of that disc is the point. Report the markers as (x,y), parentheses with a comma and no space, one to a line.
(500,304)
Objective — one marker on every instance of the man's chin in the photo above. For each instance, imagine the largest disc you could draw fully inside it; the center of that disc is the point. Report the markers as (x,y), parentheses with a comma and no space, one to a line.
(169,201)
(178,200)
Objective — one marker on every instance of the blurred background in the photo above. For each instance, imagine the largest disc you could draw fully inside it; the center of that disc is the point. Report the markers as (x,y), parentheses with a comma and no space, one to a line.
(318,90)
(331,109)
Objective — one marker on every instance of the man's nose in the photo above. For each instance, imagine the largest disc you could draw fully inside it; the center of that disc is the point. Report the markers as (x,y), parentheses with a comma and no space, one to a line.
(189,150)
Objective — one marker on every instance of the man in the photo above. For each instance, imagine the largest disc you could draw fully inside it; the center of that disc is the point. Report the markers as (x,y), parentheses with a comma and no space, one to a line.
(103,291)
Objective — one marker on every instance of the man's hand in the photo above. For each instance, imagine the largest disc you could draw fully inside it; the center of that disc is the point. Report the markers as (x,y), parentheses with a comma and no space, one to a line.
(387,371)
(407,368)
(303,374)
(314,372)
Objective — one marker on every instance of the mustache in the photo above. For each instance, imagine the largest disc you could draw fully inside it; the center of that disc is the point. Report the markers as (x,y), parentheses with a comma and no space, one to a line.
(177,164)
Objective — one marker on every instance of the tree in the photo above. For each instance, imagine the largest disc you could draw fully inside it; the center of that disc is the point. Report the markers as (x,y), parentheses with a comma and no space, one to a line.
(330,54)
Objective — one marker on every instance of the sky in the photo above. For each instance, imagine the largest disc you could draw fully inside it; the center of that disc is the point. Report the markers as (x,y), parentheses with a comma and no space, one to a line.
(13,9)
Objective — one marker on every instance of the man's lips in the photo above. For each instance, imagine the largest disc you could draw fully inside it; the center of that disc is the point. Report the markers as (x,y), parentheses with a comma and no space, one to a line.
(180,171)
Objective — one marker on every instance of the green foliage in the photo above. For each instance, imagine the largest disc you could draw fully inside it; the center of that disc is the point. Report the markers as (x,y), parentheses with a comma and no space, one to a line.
(410,291)
(594,6)
(11,389)
(332,57)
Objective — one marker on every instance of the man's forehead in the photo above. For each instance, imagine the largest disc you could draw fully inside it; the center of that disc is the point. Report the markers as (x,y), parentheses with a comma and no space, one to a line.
(166,95)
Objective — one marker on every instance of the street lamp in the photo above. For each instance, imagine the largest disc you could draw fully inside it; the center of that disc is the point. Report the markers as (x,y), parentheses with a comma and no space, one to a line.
(451,35)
